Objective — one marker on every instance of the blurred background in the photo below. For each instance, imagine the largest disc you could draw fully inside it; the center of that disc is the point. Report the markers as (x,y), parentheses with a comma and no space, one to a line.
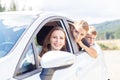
(103,14)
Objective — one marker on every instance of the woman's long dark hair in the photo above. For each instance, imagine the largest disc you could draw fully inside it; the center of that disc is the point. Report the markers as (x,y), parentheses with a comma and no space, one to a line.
(46,43)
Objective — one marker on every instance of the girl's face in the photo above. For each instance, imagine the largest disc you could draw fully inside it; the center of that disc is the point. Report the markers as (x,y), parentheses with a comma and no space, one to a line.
(57,40)
(81,33)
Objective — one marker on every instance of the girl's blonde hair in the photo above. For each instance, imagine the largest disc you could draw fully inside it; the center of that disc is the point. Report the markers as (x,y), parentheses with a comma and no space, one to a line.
(81,24)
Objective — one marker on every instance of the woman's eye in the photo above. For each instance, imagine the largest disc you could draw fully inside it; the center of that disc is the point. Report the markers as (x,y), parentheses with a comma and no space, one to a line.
(61,38)
(54,37)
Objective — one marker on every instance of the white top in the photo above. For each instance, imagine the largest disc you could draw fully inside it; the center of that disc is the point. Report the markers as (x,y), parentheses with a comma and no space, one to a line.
(95,69)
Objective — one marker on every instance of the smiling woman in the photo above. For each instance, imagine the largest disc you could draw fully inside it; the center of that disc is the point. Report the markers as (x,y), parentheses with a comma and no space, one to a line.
(55,40)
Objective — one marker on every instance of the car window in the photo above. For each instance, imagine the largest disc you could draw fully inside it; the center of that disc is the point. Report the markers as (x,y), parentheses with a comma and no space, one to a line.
(43,32)
(27,63)
(73,43)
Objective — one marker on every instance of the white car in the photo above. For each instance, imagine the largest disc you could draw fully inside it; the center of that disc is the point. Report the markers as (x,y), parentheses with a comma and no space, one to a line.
(21,38)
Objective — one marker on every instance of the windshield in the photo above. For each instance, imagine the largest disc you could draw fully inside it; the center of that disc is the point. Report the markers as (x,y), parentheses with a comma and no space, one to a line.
(11,28)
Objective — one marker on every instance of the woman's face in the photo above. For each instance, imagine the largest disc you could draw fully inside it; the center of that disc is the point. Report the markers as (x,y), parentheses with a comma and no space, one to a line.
(57,40)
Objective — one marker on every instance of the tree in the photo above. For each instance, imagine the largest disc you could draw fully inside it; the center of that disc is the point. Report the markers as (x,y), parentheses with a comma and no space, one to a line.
(13,6)
(1,8)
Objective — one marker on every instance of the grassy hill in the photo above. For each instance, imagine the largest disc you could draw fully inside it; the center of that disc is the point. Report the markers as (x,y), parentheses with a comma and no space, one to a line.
(108,35)
(108,30)
(109,44)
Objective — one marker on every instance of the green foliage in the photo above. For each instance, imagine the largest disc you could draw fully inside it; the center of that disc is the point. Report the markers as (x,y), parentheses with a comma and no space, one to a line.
(108,47)
(13,6)
(108,30)
(1,8)
(103,47)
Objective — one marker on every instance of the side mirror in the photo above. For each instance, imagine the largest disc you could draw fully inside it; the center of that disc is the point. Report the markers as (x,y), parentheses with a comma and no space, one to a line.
(53,59)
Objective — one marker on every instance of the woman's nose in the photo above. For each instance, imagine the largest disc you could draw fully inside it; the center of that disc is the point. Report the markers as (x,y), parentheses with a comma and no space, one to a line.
(58,40)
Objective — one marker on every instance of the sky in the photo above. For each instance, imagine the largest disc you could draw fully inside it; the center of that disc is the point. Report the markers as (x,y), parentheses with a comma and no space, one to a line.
(92,11)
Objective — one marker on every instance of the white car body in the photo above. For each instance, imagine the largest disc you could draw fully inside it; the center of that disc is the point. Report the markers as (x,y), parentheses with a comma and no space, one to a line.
(21,61)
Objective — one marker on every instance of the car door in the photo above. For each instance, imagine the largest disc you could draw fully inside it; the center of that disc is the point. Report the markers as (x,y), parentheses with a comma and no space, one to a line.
(29,66)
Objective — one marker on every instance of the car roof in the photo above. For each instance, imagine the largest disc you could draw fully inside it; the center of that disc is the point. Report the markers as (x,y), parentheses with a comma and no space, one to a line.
(37,13)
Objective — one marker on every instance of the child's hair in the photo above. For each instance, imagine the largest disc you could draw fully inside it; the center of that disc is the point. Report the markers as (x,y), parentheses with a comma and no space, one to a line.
(83,24)
(92,30)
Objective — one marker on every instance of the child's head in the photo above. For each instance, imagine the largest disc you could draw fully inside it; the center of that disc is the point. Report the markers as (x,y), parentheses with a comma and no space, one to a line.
(80,27)
(91,35)
(81,24)
(92,30)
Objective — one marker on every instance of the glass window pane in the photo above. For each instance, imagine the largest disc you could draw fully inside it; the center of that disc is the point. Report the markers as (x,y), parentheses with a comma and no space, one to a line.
(27,64)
